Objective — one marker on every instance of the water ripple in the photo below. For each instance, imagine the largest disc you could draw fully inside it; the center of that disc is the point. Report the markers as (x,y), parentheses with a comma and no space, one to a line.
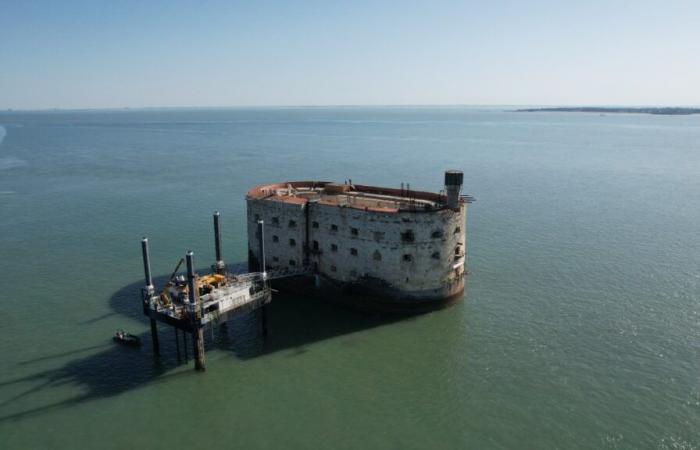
(11,162)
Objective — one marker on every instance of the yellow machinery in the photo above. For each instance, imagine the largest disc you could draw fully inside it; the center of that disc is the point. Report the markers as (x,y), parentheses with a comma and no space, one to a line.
(205,285)
(209,282)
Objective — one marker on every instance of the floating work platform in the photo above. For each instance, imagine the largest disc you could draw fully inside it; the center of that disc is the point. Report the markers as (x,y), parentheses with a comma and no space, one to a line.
(221,296)
(190,303)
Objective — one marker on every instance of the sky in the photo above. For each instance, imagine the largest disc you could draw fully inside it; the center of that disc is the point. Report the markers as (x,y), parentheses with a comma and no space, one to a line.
(115,54)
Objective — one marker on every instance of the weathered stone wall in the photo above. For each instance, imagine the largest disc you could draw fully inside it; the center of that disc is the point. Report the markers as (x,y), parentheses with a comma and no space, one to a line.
(284,232)
(413,252)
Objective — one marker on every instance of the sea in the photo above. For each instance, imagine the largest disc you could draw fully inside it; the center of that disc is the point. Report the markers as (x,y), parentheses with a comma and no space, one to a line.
(579,327)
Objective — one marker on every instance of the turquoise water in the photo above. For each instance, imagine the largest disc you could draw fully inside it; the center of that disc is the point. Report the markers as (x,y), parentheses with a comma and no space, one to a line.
(579,328)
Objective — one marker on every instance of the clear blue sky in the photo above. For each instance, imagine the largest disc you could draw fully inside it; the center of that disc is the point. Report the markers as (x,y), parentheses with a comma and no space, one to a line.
(96,54)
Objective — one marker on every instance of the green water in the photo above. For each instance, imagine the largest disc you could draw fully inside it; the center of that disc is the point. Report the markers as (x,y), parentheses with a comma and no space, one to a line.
(579,328)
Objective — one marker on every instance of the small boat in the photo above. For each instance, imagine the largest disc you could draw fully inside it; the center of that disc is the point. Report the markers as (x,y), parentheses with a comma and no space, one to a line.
(127,339)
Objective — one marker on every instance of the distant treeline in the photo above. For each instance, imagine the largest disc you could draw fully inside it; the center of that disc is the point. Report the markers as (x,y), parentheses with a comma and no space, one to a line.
(593,109)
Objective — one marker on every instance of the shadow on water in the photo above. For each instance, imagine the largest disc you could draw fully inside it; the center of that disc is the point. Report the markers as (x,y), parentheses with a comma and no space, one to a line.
(61,355)
(294,323)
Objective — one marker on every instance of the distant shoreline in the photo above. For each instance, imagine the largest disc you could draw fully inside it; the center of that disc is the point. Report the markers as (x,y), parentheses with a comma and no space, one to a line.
(673,110)
(667,111)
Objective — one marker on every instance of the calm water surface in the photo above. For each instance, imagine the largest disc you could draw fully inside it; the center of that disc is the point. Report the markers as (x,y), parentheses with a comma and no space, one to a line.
(580,327)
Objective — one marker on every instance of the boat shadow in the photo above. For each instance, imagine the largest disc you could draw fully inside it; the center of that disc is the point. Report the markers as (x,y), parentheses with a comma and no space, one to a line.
(294,324)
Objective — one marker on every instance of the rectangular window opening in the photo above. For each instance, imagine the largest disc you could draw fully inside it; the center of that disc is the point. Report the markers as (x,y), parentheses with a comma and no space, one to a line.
(408,236)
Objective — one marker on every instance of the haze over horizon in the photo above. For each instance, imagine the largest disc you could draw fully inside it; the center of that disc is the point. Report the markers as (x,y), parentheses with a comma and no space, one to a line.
(93,55)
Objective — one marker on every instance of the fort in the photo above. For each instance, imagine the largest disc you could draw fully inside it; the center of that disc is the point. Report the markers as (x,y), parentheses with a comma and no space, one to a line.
(370,246)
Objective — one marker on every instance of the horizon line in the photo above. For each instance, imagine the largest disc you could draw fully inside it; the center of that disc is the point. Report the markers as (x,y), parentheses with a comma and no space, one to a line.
(389,105)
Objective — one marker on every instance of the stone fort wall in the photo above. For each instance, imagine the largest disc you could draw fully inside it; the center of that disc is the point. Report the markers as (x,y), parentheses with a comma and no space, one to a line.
(415,252)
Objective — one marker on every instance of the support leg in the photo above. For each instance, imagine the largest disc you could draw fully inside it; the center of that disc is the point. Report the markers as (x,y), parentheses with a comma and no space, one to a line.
(198,343)
(177,344)
(184,345)
(154,338)
(264,320)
